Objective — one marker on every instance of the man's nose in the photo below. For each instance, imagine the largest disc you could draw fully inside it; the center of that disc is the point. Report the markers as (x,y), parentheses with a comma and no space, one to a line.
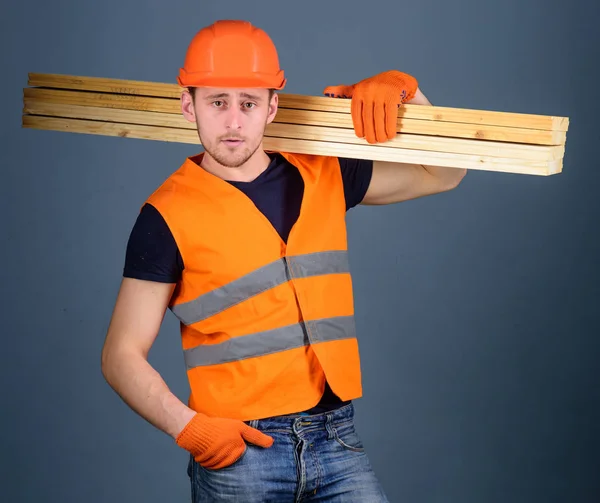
(234,118)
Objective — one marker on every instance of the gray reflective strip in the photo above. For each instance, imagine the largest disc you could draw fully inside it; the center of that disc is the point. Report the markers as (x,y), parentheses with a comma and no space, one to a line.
(271,341)
(233,293)
(313,264)
(258,281)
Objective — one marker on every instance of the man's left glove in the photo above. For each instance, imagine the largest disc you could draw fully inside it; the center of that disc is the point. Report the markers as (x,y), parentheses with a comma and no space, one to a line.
(217,442)
(375,103)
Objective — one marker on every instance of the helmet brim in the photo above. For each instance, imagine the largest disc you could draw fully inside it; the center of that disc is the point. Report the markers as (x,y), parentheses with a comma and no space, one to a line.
(202,79)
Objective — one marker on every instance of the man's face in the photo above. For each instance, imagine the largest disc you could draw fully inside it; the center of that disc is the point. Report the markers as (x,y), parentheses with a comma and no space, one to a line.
(230,122)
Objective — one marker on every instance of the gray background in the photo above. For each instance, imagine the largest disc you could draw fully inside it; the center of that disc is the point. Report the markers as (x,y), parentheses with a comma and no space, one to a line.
(480,339)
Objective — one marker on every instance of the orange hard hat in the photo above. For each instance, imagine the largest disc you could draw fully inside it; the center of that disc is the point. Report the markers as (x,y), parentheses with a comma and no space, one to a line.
(231,53)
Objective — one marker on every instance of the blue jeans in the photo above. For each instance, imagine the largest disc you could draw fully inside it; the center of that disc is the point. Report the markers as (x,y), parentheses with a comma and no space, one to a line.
(313,458)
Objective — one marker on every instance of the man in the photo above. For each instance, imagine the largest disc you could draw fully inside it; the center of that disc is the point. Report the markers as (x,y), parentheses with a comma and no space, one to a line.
(247,248)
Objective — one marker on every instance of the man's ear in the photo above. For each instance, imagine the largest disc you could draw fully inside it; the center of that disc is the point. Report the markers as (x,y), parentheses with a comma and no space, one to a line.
(187,106)
(273,105)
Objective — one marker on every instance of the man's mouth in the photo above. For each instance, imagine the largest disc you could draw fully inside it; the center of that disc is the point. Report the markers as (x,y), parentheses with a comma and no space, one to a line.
(232,141)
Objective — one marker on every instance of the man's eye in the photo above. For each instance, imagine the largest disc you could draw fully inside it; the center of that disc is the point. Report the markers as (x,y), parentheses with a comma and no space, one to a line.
(249,105)
(217,103)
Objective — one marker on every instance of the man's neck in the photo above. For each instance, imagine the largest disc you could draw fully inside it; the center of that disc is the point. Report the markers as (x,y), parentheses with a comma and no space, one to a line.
(250,170)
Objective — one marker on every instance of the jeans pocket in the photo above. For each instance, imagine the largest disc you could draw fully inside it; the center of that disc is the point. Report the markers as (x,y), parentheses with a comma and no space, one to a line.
(240,481)
(348,438)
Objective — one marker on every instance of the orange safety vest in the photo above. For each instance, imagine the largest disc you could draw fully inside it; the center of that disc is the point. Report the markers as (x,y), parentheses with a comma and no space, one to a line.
(263,323)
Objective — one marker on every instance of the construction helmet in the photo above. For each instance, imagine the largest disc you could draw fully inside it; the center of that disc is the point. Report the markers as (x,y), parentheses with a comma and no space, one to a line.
(231,53)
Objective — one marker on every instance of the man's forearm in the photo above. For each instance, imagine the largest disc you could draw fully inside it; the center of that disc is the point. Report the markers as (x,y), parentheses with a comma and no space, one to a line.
(142,388)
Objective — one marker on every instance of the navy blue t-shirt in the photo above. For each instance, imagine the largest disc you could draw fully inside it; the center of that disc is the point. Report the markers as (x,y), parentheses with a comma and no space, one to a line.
(152,253)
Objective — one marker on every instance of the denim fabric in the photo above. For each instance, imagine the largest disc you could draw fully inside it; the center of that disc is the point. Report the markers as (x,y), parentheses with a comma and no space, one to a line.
(313,458)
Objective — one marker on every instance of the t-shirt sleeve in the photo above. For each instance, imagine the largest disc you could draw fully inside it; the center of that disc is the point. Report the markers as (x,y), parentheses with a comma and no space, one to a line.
(356,174)
(152,253)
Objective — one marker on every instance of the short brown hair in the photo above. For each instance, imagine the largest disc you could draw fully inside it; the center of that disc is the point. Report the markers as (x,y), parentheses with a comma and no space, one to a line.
(192,91)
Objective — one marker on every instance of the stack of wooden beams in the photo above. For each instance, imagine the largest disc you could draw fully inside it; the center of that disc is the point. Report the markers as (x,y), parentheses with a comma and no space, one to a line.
(430,135)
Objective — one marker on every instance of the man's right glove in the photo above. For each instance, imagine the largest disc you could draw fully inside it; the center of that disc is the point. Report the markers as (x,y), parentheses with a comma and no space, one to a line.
(375,103)
(218,442)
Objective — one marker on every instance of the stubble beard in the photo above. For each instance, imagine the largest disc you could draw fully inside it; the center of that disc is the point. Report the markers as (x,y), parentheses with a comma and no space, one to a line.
(230,158)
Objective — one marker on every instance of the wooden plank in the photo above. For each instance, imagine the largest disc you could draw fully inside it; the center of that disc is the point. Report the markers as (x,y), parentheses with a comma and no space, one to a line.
(37,106)
(431,128)
(310,117)
(435,113)
(125,102)
(302,146)
(101,84)
(422,143)
(315,103)
(174,135)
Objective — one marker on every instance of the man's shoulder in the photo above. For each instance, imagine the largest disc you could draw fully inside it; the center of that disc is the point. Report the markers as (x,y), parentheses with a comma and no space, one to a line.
(173,187)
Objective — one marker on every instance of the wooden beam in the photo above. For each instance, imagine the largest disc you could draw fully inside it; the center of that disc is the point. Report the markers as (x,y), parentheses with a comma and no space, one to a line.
(38,106)
(170,134)
(440,136)
(311,117)
(301,102)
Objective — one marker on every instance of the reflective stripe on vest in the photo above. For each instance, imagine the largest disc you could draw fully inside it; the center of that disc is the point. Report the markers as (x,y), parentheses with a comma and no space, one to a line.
(271,341)
(265,278)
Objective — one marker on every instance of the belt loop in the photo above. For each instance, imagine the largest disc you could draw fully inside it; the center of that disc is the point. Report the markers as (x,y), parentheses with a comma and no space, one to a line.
(295,426)
(329,426)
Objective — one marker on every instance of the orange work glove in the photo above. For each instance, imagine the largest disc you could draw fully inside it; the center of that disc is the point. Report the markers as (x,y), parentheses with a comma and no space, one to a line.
(218,442)
(375,103)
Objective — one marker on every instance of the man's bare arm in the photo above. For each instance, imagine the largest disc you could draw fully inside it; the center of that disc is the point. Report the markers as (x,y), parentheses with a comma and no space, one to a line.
(393,182)
(138,314)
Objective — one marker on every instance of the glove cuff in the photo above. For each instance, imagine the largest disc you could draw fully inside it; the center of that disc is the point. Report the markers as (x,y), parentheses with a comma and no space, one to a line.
(197,435)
